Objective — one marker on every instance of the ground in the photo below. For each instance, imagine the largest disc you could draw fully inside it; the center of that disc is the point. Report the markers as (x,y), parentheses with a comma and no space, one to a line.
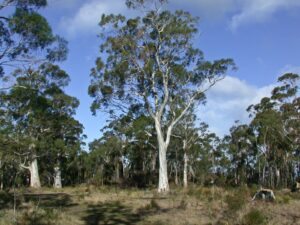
(89,205)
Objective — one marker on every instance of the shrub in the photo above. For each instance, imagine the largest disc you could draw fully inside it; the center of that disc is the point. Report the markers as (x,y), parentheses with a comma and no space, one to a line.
(38,217)
(236,201)
(5,199)
(254,217)
(284,199)
(152,205)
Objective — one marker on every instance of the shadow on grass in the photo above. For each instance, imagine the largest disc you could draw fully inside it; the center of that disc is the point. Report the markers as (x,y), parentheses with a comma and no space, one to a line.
(46,200)
(6,200)
(114,213)
(50,200)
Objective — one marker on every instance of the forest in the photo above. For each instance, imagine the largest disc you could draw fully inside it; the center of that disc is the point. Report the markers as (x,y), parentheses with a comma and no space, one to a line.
(149,78)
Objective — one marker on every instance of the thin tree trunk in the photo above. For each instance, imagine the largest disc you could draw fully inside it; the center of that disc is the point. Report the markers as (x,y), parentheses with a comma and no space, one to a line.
(57,177)
(153,162)
(277,177)
(176,174)
(263,175)
(117,171)
(259,175)
(34,174)
(2,176)
(185,168)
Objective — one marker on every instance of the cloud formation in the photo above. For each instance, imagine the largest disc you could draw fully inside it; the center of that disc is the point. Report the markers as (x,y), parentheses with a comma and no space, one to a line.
(227,102)
(252,11)
(207,9)
(88,16)
(235,12)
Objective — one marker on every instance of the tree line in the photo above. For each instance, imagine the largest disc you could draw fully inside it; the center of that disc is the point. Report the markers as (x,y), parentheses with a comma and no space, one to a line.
(150,77)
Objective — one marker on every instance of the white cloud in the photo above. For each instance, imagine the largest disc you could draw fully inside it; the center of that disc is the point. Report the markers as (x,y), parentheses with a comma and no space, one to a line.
(259,10)
(227,102)
(89,14)
(237,12)
(208,9)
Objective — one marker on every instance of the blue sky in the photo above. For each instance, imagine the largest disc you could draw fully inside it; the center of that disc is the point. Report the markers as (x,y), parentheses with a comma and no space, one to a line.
(262,36)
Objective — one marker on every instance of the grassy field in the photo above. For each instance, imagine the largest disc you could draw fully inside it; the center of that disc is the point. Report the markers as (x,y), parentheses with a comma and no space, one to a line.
(109,205)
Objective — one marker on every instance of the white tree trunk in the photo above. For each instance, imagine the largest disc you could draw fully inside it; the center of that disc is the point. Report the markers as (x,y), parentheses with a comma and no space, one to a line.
(163,183)
(176,174)
(34,174)
(185,168)
(153,162)
(57,177)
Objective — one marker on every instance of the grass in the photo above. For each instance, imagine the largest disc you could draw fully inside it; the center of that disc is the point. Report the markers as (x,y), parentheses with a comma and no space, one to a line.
(254,217)
(198,205)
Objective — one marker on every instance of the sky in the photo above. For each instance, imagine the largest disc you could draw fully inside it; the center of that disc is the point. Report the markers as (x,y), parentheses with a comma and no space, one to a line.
(262,36)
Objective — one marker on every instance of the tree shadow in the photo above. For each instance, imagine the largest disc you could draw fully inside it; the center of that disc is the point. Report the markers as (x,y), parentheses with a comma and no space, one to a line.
(110,213)
(6,199)
(114,213)
(51,200)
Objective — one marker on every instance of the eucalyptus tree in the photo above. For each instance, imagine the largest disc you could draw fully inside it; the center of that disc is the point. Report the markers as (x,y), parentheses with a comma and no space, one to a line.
(242,149)
(97,162)
(65,135)
(275,122)
(187,132)
(107,151)
(208,156)
(26,38)
(7,162)
(152,60)
(287,101)
(32,111)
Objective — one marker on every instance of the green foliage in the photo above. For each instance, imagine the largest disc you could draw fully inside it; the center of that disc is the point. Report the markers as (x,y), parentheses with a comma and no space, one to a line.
(32,27)
(24,35)
(131,73)
(236,201)
(5,199)
(37,216)
(254,217)
(283,199)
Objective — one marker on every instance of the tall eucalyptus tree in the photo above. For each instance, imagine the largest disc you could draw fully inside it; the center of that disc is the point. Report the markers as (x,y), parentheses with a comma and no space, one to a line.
(152,60)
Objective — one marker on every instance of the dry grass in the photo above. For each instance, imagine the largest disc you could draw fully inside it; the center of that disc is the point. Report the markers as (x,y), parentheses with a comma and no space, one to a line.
(88,205)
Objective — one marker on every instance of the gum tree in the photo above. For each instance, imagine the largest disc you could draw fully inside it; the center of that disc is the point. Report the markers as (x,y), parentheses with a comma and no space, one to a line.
(26,38)
(152,60)
(40,113)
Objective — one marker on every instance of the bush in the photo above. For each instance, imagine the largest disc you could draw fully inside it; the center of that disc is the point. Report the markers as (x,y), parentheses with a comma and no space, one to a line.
(5,199)
(152,205)
(38,217)
(236,201)
(284,199)
(254,217)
